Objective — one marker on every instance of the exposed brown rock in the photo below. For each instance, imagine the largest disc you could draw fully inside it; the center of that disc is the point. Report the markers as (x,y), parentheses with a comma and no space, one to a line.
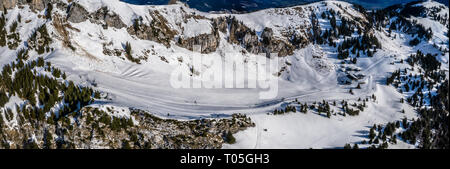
(207,42)
(77,13)
(105,17)
(95,128)
(38,5)
(157,31)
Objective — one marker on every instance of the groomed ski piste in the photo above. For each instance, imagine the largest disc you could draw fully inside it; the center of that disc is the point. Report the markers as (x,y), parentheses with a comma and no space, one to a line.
(311,74)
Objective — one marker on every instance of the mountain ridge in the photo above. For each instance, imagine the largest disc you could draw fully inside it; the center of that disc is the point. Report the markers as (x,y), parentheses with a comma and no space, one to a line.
(328,51)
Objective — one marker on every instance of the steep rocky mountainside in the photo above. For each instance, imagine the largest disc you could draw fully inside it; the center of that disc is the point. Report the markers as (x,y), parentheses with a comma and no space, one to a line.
(179,25)
(118,56)
(48,111)
(50,115)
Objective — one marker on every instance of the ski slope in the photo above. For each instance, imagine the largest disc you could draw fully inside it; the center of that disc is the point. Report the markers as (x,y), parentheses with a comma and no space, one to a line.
(147,86)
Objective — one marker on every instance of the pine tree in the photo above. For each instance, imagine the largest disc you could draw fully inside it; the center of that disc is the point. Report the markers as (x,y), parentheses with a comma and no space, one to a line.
(229,138)
(333,22)
(347,146)
(128,49)
(47,139)
(376,141)
(125,144)
(128,52)
(48,12)
(372,133)
(3,98)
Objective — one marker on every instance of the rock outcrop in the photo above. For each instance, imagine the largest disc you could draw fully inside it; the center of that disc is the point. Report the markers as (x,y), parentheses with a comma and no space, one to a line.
(39,4)
(208,42)
(157,31)
(34,4)
(221,24)
(241,34)
(8,4)
(107,18)
(298,41)
(77,13)
(272,45)
(93,128)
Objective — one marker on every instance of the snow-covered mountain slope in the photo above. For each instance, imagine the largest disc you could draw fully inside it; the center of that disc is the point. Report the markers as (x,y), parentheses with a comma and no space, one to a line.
(322,50)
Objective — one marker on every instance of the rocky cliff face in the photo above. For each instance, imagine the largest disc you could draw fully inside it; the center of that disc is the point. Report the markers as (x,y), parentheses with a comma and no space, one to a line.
(241,34)
(77,13)
(8,4)
(95,128)
(221,23)
(272,45)
(107,18)
(157,31)
(208,42)
(103,16)
(34,4)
